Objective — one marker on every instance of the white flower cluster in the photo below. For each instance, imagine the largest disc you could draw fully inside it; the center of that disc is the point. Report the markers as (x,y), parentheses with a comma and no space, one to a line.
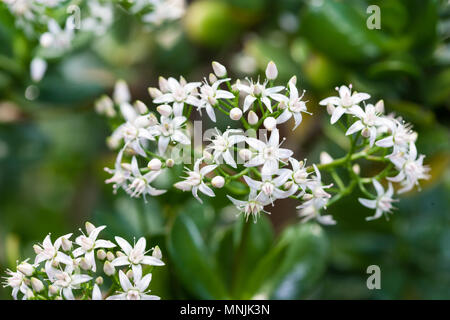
(42,19)
(250,163)
(66,269)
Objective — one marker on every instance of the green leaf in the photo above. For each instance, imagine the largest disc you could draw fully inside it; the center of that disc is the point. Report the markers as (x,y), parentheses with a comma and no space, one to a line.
(190,257)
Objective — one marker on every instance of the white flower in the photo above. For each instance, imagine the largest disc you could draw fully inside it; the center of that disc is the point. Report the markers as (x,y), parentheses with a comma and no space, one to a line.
(140,184)
(253,206)
(194,180)
(51,255)
(179,94)
(411,169)
(135,291)
(268,154)
(345,103)
(121,173)
(100,17)
(383,202)
(259,91)
(311,210)
(209,95)
(400,136)
(368,123)
(294,106)
(271,71)
(219,70)
(316,186)
(88,244)
(15,280)
(269,187)
(134,256)
(299,174)
(57,39)
(37,69)
(170,130)
(222,145)
(164,10)
(67,281)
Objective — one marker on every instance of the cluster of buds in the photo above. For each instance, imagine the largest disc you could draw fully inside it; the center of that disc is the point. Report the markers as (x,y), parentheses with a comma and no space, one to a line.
(70,269)
(248,159)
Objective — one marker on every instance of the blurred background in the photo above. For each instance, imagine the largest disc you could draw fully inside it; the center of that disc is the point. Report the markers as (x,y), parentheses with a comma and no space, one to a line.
(53,150)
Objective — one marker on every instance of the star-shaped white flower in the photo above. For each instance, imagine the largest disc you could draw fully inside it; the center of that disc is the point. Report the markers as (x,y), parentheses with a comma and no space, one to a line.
(252,207)
(294,106)
(400,136)
(121,173)
(67,281)
(222,145)
(345,103)
(383,202)
(89,243)
(136,290)
(170,130)
(368,122)
(135,256)
(50,253)
(15,280)
(268,154)
(311,210)
(258,90)
(209,95)
(140,184)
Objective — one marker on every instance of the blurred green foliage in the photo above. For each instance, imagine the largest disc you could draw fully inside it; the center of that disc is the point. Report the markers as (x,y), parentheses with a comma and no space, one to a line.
(52,149)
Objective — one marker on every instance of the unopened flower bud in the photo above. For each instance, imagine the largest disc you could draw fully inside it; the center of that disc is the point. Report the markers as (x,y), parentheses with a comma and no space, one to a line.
(152,120)
(330,108)
(282,105)
(365,132)
(37,249)
(293,80)
(325,158)
(183,186)
(101,254)
(235,114)
(252,118)
(154,92)
(164,110)
(288,185)
(157,253)
(84,264)
(170,163)
(130,274)
(37,284)
(212,78)
(26,268)
(55,264)
(245,154)
(271,71)
(108,268)
(163,85)
(120,254)
(379,106)
(89,227)
(110,256)
(270,123)
(52,290)
(105,105)
(218,182)
(140,107)
(99,280)
(356,168)
(154,164)
(121,92)
(307,196)
(219,69)
(66,244)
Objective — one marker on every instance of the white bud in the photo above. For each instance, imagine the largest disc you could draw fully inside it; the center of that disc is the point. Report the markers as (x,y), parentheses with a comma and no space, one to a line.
(379,106)
(365,132)
(55,264)
(121,92)
(219,69)
(235,114)
(108,268)
(212,78)
(330,109)
(37,69)
(293,80)
(84,264)
(120,254)
(252,117)
(130,274)
(218,182)
(170,163)
(154,164)
(356,168)
(245,154)
(325,158)
(66,244)
(99,281)
(282,105)
(288,185)
(307,196)
(154,92)
(163,84)
(37,249)
(164,110)
(37,284)
(152,120)
(271,71)
(270,123)
(157,253)
(52,289)
(110,256)
(140,107)
(26,268)
(89,227)
(105,105)
(101,254)
(46,40)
